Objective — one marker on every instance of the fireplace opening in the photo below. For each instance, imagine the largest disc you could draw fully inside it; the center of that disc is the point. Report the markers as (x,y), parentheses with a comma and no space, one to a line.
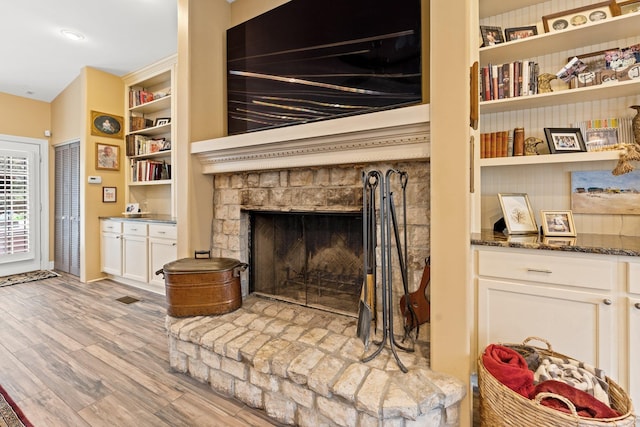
(308,258)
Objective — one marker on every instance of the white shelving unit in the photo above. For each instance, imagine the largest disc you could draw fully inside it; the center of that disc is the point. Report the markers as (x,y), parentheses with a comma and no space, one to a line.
(155,193)
(547,178)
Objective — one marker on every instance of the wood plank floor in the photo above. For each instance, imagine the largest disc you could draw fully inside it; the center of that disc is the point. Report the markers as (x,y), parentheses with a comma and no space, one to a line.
(72,355)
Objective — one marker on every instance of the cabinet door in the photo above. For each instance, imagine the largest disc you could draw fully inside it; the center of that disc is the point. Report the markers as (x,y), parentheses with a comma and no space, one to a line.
(111,253)
(577,324)
(634,348)
(161,252)
(134,258)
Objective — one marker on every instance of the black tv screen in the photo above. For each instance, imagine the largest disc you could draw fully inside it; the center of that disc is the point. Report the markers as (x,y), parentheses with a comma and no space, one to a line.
(310,60)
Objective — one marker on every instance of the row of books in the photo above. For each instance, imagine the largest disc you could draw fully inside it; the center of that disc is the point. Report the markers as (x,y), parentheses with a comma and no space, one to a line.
(139,123)
(496,144)
(149,170)
(139,97)
(138,145)
(519,78)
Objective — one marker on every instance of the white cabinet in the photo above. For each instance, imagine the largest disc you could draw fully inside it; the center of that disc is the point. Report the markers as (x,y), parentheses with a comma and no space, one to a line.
(111,247)
(522,294)
(633,342)
(162,250)
(134,251)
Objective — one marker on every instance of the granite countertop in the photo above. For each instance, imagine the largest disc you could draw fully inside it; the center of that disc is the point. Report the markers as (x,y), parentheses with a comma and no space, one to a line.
(606,244)
(166,219)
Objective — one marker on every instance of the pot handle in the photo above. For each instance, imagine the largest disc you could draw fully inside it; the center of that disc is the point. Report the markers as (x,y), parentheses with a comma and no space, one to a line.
(242,267)
(161,271)
(207,253)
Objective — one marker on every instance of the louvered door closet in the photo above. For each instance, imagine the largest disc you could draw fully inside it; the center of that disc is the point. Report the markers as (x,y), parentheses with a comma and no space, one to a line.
(67,208)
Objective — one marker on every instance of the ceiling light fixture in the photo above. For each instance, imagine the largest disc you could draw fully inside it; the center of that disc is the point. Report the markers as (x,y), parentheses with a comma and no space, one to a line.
(72,35)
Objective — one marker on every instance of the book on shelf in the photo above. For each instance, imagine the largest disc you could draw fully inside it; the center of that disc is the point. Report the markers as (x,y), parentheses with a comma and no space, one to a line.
(137,145)
(150,170)
(495,144)
(139,123)
(509,80)
(139,96)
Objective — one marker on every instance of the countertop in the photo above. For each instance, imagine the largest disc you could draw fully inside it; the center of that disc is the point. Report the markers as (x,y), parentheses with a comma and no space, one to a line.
(165,219)
(606,244)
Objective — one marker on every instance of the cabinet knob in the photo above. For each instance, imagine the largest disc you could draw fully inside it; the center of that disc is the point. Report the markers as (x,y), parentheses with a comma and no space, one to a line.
(607,301)
(637,305)
(161,232)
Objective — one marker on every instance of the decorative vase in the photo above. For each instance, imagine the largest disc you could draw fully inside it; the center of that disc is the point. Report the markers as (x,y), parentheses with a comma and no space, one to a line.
(635,124)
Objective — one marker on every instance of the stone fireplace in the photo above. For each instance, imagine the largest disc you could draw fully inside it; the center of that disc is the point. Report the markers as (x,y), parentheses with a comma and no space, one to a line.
(301,365)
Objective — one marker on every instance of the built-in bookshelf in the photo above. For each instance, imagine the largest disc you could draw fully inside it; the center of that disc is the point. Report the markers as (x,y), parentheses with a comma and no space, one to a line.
(546,178)
(150,130)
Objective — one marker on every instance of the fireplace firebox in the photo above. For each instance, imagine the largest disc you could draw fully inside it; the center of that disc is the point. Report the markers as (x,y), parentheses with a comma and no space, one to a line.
(308,258)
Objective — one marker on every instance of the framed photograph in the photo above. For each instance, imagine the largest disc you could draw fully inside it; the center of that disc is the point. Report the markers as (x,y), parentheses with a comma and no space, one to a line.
(629,6)
(132,208)
(162,121)
(109,194)
(491,35)
(517,213)
(595,61)
(580,16)
(564,140)
(601,139)
(601,192)
(166,145)
(103,124)
(558,223)
(107,156)
(518,33)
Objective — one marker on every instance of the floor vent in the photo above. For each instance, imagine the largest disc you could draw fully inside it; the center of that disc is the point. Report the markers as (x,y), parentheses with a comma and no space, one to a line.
(127,300)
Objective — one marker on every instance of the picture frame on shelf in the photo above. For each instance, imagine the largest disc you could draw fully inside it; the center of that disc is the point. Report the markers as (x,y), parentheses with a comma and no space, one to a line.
(573,18)
(162,121)
(558,223)
(109,194)
(517,33)
(517,213)
(132,208)
(107,125)
(107,157)
(630,6)
(564,140)
(491,36)
(166,145)
(601,139)
(595,61)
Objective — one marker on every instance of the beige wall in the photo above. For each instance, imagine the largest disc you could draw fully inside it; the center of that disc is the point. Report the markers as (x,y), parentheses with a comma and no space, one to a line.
(24,117)
(103,92)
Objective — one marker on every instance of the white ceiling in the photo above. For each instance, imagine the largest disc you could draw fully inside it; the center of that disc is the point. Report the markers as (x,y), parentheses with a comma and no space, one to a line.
(121,36)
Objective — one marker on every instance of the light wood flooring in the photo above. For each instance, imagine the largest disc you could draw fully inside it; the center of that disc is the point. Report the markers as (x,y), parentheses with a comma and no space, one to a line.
(72,355)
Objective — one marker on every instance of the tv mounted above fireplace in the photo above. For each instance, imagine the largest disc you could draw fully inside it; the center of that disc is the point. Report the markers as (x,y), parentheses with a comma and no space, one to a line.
(311,60)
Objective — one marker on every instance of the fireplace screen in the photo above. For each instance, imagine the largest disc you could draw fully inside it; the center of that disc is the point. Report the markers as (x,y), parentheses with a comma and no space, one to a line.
(308,258)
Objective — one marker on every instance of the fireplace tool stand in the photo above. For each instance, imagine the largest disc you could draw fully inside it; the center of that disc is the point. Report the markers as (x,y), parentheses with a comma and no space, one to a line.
(388,221)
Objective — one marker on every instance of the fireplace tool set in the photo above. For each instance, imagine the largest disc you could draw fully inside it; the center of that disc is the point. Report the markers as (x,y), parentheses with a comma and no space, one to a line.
(374,182)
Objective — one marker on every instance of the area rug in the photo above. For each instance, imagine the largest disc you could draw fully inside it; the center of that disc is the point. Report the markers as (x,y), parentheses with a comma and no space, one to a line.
(10,414)
(14,279)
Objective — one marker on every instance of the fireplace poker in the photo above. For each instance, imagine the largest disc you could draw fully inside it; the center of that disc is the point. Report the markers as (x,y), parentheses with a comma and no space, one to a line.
(364,308)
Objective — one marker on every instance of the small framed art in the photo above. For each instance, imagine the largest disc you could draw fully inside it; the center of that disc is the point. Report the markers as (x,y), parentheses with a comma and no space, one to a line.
(558,223)
(162,121)
(107,157)
(518,33)
(109,194)
(564,140)
(580,16)
(491,35)
(630,6)
(517,213)
(103,124)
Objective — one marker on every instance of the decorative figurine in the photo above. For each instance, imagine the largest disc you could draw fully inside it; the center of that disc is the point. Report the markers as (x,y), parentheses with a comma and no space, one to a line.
(635,124)
(531,146)
(544,82)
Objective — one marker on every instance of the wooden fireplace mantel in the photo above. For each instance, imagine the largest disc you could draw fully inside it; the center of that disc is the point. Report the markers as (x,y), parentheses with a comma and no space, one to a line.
(391,135)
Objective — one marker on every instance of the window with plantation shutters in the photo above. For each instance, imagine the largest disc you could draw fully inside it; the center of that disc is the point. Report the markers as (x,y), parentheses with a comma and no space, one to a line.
(14,204)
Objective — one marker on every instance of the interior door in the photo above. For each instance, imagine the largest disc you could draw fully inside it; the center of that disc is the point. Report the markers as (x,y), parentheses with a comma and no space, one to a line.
(20,205)
(67,208)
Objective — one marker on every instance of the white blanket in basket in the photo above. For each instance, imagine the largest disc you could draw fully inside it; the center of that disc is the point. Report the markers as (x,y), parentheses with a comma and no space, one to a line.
(578,374)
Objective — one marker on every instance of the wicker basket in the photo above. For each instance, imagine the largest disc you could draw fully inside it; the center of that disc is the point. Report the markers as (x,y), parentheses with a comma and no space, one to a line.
(501,406)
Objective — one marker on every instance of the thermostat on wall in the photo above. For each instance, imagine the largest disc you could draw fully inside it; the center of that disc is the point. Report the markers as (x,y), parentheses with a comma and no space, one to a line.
(95,179)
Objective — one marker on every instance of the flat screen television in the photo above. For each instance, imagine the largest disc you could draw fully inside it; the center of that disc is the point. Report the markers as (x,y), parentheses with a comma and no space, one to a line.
(310,60)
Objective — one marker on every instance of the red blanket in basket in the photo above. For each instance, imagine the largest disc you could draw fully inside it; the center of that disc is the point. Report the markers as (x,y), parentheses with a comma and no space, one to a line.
(508,367)
(586,405)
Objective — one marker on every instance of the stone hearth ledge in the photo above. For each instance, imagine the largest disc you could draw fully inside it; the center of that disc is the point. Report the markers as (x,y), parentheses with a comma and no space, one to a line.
(302,366)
